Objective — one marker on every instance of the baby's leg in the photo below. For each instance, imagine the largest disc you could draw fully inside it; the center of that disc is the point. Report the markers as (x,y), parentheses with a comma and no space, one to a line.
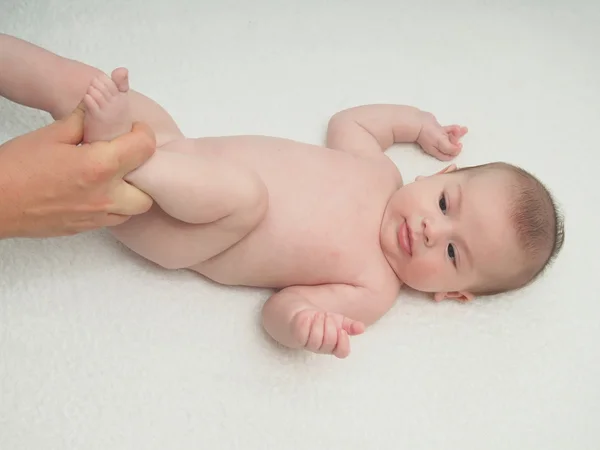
(204,205)
(108,111)
(216,203)
(175,178)
(221,204)
(38,78)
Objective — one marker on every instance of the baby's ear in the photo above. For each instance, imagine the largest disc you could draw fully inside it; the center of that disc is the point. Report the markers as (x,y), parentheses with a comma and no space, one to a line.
(461,296)
(447,169)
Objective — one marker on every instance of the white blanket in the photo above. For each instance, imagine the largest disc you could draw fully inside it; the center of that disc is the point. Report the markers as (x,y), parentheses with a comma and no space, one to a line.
(100,349)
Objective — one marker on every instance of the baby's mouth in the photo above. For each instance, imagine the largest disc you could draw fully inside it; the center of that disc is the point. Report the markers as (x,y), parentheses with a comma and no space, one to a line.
(404,238)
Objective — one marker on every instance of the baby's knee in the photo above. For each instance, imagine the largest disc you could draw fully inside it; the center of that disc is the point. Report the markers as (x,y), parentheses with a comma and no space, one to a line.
(254,201)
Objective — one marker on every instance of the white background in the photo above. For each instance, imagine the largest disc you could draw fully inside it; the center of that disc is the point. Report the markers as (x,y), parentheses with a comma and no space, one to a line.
(99,349)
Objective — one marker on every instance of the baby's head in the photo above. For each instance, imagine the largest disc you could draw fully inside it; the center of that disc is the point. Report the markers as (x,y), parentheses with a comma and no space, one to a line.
(475,231)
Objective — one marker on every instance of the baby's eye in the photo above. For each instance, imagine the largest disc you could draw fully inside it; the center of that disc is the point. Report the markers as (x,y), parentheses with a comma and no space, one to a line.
(451,253)
(442,203)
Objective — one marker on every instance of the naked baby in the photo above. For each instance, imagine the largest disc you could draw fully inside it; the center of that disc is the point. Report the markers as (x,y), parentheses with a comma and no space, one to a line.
(333,229)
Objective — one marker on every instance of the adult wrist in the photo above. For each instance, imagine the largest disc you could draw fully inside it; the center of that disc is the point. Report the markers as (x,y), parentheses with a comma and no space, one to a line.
(7,216)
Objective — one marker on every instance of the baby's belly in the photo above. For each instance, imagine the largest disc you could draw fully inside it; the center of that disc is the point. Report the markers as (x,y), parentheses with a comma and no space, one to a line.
(276,256)
(306,238)
(322,225)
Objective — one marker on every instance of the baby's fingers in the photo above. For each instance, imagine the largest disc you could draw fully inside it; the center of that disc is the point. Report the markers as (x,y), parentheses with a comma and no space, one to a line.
(330,336)
(315,338)
(442,155)
(448,150)
(455,131)
(342,349)
(353,327)
(301,327)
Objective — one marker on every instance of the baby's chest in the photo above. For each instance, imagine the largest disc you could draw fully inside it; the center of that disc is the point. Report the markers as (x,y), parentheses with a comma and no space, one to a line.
(326,236)
(311,252)
(343,208)
(323,219)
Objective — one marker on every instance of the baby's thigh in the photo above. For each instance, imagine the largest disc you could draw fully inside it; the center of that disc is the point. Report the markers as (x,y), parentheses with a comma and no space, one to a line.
(162,239)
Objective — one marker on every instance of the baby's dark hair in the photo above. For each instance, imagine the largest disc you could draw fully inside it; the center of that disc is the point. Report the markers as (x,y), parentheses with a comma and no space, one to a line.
(537,222)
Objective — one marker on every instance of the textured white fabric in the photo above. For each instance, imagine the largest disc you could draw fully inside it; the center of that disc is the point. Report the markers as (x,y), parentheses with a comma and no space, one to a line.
(101,350)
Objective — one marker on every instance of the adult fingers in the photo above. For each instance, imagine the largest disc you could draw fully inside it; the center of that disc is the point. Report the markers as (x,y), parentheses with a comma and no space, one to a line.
(112,220)
(133,149)
(125,153)
(129,200)
(68,130)
(82,224)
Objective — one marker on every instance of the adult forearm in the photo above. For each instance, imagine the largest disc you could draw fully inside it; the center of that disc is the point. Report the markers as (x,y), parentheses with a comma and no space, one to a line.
(9,199)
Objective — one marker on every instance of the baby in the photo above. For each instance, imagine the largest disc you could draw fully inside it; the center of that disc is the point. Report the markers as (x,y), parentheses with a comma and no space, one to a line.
(334,230)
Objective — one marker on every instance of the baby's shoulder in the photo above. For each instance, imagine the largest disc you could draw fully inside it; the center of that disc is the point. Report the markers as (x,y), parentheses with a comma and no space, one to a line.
(380,297)
(384,168)
(380,280)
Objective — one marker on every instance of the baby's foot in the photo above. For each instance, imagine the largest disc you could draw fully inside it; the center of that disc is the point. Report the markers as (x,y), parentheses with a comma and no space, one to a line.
(107,107)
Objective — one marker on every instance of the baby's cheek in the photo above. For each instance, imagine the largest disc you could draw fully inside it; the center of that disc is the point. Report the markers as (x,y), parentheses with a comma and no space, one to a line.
(427,275)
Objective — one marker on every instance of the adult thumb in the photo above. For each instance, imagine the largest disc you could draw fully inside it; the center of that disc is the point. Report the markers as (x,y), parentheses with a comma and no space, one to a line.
(68,130)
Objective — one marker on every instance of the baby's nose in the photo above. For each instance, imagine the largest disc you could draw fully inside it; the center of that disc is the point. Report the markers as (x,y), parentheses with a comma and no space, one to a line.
(433,231)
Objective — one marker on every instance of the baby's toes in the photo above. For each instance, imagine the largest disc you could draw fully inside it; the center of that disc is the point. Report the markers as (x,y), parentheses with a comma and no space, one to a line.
(97,96)
(120,77)
(109,84)
(102,87)
(90,104)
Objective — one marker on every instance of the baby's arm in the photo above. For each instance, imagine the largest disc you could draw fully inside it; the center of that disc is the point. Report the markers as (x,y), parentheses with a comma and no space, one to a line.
(320,318)
(371,129)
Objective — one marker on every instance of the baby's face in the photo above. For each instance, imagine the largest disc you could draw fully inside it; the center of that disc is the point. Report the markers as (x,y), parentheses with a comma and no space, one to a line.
(448,233)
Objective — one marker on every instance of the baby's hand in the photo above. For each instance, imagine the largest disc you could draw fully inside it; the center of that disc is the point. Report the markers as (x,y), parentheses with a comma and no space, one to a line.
(441,142)
(325,332)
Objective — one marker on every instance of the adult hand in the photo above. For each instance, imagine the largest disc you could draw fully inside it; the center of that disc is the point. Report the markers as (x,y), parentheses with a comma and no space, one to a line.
(50,186)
